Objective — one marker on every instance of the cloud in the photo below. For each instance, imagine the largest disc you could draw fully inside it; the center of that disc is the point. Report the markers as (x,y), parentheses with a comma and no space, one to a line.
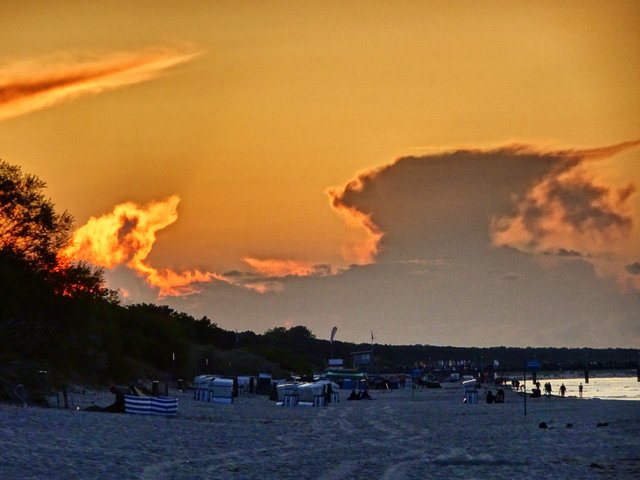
(283,268)
(568,209)
(362,248)
(597,153)
(126,237)
(444,263)
(505,298)
(425,207)
(458,204)
(563,252)
(31,85)
(264,286)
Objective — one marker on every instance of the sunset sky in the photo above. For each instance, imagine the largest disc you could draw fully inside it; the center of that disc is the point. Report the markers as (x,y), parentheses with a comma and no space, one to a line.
(437,172)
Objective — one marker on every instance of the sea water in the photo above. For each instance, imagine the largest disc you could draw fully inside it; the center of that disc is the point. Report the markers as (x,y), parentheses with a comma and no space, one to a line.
(605,388)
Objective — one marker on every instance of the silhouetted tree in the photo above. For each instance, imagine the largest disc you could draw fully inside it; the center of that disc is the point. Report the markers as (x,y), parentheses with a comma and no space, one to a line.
(30,228)
(32,232)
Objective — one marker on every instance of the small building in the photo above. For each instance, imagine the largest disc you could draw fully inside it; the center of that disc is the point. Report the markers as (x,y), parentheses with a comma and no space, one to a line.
(336,363)
(362,359)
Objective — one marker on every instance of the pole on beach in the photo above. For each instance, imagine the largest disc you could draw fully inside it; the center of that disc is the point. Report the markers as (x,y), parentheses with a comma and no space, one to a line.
(333,335)
(524,383)
(586,368)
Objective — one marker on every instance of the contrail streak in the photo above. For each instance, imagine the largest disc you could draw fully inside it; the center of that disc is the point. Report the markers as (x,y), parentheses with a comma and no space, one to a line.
(32,85)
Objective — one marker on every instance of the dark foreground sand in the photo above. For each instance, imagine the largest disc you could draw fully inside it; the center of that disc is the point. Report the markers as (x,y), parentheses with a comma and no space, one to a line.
(431,434)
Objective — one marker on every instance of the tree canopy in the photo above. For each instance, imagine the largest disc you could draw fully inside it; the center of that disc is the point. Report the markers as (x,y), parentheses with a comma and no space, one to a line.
(33,233)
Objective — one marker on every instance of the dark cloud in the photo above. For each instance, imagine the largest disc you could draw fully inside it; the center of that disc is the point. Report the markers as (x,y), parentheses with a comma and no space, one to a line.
(563,252)
(443,204)
(585,206)
(633,268)
(440,277)
(458,203)
(509,299)
(234,274)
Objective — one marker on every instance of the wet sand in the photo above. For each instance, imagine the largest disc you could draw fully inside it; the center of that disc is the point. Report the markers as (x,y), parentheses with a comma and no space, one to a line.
(430,434)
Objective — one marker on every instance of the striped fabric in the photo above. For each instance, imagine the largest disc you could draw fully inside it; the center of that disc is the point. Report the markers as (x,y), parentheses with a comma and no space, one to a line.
(164,406)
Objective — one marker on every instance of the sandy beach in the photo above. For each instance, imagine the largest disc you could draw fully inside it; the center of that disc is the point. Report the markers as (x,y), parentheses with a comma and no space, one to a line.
(431,434)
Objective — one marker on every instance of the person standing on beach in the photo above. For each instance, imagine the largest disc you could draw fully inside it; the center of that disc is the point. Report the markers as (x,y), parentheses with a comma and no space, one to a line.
(563,389)
(580,387)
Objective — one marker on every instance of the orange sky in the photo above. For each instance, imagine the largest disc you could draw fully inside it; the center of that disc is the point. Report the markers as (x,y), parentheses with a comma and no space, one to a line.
(252,112)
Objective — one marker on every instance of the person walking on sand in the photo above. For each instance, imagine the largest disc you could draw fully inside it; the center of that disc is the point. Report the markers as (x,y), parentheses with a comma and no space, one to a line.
(563,390)
(580,387)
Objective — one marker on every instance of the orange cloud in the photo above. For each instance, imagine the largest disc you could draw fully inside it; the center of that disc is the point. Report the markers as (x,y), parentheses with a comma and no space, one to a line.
(265,286)
(572,210)
(284,268)
(28,86)
(126,237)
(363,248)
(599,152)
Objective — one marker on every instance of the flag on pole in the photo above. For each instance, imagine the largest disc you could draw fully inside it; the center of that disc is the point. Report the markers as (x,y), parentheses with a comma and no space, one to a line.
(333,333)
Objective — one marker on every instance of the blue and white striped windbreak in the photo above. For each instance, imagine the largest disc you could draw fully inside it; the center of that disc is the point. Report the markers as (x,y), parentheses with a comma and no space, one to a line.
(164,406)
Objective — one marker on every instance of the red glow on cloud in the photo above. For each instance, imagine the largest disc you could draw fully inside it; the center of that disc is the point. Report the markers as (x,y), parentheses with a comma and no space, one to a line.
(126,237)
(590,223)
(280,268)
(572,210)
(361,248)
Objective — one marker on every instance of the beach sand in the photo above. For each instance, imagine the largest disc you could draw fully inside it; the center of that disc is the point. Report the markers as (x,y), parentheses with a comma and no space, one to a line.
(431,434)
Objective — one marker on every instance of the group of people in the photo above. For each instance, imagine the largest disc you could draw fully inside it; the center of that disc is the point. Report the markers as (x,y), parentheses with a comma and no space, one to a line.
(497,398)
(562,389)
(364,395)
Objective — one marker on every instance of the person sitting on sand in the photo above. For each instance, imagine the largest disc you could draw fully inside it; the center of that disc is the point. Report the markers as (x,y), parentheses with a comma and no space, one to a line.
(353,395)
(365,395)
(490,397)
(118,405)
(499,396)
